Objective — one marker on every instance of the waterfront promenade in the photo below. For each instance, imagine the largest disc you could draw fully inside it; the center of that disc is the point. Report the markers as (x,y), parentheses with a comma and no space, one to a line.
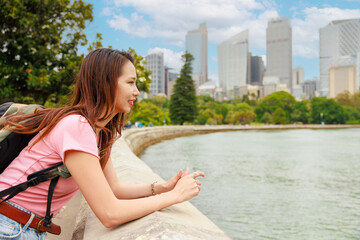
(182,221)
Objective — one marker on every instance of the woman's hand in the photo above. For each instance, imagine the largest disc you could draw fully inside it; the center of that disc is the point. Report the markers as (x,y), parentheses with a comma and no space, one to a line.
(188,186)
(170,184)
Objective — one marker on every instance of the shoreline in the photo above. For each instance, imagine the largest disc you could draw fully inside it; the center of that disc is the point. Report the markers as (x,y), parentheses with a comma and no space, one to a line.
(139,139)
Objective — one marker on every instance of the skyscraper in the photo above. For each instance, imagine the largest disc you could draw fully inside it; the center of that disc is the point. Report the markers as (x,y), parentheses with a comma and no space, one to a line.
(257,70)
(196,44)
(339,45)
(155,63)
(234,63)
(297,76)
(279,50)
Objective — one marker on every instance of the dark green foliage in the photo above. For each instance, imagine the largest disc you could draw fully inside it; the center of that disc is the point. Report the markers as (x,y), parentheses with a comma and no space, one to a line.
(223,109)
(147,112)
(279,117)
(332,112)
(346,99)
(266,118)
(242,113)
(301,112)
(39,40)
(351,114)
(183,106)
(272,102)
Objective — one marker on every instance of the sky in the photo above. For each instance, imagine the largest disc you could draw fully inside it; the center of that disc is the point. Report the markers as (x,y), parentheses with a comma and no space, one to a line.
(161,25)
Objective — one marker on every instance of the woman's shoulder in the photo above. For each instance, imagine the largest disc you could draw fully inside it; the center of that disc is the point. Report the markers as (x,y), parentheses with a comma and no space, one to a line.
(73,121)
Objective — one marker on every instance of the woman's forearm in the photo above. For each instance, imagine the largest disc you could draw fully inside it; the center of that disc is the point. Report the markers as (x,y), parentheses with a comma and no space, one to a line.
(132,191)
(127,210)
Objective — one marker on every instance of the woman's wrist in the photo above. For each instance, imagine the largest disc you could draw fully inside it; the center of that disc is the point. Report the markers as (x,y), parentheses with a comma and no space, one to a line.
(157,188)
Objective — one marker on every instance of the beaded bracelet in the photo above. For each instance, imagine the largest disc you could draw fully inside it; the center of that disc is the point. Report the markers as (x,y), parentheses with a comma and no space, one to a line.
(153,188)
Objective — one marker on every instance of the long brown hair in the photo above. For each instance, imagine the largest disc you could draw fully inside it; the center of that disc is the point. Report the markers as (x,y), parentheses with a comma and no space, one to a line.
(93,98)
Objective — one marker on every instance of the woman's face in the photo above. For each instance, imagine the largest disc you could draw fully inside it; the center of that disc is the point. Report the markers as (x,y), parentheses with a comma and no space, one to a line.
(126,89)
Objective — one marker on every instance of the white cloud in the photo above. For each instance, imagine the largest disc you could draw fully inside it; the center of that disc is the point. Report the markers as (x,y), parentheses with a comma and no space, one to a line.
(306,30)
(169,21)
(171,59)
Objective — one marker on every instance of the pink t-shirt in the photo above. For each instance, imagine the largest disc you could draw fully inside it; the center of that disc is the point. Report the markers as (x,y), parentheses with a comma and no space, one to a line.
(71,133)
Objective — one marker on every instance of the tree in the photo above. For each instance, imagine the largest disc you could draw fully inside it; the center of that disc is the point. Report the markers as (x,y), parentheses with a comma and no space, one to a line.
(97,44)
(272,102)
(143,74)
(279,117)
(223,109)
(346,99)
(242,114)
(209,116)
(301,112)
(204,116)
(327,110)
(148,112)
(183,107)
(266,118)
(351,114)
(39,40)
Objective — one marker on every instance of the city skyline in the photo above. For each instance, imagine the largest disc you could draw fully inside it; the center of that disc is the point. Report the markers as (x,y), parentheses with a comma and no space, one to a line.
(160,25)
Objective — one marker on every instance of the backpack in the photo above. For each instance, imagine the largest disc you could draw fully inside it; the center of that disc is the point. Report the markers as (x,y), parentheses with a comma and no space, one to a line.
(11,144)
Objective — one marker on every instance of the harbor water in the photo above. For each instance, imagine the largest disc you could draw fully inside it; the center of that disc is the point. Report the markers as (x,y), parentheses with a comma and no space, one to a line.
(284,184)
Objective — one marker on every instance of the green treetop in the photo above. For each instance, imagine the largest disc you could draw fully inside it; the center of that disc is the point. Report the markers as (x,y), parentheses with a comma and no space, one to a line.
(39,40)
(183,107)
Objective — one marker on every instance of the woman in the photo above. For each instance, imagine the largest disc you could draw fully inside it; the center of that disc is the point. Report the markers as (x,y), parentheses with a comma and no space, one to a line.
(81,135)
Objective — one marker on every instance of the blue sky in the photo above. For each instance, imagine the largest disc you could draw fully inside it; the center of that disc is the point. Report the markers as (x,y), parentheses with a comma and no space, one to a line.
(161,25)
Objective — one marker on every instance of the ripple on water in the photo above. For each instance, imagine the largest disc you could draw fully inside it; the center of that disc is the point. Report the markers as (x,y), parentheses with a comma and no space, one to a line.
(295,184)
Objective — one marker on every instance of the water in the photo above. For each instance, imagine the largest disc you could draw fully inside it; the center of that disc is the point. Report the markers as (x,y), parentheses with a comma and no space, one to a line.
(292,184)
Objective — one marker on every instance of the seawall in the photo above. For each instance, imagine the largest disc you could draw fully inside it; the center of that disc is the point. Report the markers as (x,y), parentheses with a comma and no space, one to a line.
(181,221)
(139,139)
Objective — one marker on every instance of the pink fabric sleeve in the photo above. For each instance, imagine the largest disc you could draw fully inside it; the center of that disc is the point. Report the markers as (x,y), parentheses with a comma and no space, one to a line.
(74,133)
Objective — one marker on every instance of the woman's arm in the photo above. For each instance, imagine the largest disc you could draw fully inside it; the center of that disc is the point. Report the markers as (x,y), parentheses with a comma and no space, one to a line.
(131,191)
(111,211)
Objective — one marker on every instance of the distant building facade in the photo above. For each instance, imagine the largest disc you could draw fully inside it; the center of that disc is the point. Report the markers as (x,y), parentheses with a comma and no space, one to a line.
(310,88)
(297,82)
(339,45)
(170,79)
(155,63)
(209,88)
(197,45)
(279,50)
(234,64)
(297,76)
(342,78)
(257,70)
